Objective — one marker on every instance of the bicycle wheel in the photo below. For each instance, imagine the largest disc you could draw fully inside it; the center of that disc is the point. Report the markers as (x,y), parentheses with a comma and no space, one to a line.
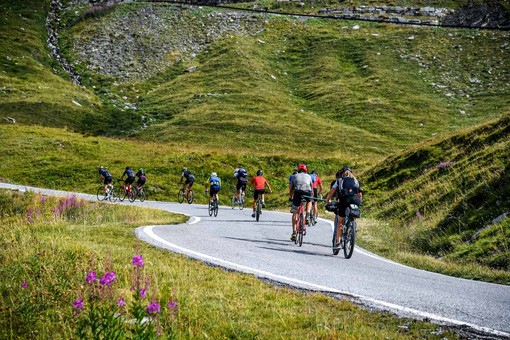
(335,247)
(241,201)
(215,204)
(132,194)
(121,194)
(210,208)
(300,229)
(180,196)
(350,238)
(141,194)
(112,196)
(259,209)
(101,195)
(190,196)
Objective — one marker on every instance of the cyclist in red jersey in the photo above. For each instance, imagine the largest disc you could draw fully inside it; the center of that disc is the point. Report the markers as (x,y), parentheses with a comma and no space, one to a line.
(259,184)
(317,190)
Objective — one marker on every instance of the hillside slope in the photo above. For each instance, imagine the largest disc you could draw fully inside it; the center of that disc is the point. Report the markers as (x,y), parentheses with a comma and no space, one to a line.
(449,198)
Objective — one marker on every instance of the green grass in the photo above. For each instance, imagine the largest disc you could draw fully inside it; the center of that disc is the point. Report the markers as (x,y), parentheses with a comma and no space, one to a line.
(439,200)
(53,256)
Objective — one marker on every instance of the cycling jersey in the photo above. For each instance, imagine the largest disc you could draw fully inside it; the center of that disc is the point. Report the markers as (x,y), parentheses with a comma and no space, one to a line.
(302,181)
(317,182)
(259,182)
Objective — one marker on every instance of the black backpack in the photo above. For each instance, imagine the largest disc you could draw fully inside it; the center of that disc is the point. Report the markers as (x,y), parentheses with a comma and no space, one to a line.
(349,187)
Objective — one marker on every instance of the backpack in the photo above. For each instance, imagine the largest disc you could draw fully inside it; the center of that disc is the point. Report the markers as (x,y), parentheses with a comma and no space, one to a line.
(349,187)
(314,177)
(191,178)
(215,183)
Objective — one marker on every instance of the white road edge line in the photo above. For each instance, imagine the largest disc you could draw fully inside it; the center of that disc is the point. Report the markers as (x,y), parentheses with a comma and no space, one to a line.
(148,230)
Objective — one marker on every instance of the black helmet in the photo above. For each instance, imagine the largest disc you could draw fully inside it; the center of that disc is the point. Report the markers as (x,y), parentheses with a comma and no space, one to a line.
(344,169)
(314,172)
(260,172)
(128,168)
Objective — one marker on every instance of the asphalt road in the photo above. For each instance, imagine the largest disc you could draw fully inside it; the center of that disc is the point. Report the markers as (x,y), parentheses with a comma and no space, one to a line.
(236,241)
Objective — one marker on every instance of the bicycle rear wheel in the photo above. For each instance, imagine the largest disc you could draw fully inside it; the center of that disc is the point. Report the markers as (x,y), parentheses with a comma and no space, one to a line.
(210,208)
(335,247)
(241,200)
(259,209)
(190,196)
(215,203)
(101,195)
(180,196)
(300,229)
(133,194)
(121,194)
(141,194)
(350,238)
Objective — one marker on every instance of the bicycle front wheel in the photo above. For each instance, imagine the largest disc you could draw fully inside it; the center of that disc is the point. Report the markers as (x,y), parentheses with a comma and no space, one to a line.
(180,196)
(190,197)
(335,247)
(350,238)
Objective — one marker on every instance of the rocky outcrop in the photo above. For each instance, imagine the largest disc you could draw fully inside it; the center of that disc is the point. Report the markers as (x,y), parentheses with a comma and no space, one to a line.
(138,42)
(483,16)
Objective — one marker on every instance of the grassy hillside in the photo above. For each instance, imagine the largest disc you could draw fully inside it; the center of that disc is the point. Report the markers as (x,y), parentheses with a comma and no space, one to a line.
(440,199)
(387,86)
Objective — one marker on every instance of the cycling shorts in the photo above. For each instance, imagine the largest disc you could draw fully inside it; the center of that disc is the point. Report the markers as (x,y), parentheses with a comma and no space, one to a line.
(213,191)
(141,181)
(189,182)
(315,194)
(296,199)
(129,180)
(258,193)
(240,185)
(108,180)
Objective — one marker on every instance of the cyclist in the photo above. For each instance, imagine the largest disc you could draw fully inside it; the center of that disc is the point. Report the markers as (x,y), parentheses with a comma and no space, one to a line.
(301,186)
(141,178)
(215,184)
(259,184)
(317,190)
(241,175)
(129,179)
(190,179)
(105,176)
(292,176)
(347,191)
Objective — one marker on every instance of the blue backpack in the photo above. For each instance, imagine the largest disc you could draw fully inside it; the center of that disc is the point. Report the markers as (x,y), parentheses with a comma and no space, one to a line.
(215,183)
(314,177)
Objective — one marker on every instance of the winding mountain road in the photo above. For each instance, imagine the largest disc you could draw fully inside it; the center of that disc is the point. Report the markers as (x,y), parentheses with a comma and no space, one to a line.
(234,240)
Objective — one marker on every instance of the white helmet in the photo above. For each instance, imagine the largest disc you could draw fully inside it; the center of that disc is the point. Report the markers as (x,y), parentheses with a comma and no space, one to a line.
(214,174)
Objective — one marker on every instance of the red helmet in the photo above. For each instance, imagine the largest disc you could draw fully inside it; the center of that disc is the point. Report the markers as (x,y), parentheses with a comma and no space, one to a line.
(302,167)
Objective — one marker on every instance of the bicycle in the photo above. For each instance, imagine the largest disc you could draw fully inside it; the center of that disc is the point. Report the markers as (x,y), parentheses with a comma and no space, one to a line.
(213,206)
(348,237)
(181,195)
(139,193)
(240,202)
(301,225)
(125,191)
(109,194)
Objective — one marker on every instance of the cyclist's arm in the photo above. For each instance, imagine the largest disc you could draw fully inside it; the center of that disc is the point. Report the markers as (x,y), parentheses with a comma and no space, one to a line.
(268,186)
(330,195)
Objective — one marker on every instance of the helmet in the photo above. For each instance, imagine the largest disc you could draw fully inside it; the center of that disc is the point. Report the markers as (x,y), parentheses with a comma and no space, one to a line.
(141,170)
(260,172)
(184,169)
(101,167)
(214,174)
(128,168)
(344,169)
(302,167)
(314,172)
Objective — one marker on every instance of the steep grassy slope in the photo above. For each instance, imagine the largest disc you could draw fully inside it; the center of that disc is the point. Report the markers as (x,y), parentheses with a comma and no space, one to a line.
(387,86)
(30,90)
(441,198)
